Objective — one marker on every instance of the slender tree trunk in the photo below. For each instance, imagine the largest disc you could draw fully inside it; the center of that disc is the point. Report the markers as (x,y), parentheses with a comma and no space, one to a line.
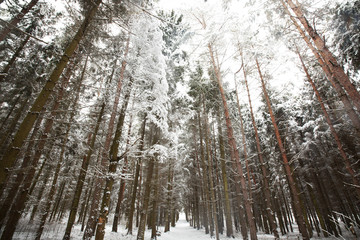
(87,203)
(148,184)
(46,178)
(155,204)
(266,187)
(17,100)
(14,22)
(114,158)
(14,218)
(13,150)
(58,167)
(333,131)
(122,181)
(234,149)
(82,175)
(136,179)
(228,220)
(294,193)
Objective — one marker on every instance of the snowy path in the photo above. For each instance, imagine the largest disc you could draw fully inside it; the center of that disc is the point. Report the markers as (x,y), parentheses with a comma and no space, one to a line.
(183,231)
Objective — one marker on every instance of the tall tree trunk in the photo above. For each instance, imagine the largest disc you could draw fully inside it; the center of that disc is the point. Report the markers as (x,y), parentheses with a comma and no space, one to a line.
(18,207)
(114,159)
(155,203)
(333,131)
(13,105)
(122,181)
(14,22)
(136,178)
(10,129)
(52,191)
(148,184)
(234,149)
(266,187)
(82,175)
(13,150)
(294,193)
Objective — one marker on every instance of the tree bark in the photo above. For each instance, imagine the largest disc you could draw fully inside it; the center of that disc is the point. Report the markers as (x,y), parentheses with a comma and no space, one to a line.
(210,168)
(6,204)
(155,204)
(99,183)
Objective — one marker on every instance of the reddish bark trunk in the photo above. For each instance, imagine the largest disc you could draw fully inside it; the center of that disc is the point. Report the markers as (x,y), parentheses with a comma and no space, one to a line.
(328,57)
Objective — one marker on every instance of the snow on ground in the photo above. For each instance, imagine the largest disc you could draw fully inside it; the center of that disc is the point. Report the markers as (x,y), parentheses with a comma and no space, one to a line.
(182,231)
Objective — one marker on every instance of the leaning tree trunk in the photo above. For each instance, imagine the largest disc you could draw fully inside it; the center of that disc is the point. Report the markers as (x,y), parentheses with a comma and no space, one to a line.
(329,58)
(6,204)
(294,192)
(20,200)
(27,124)
(234,149)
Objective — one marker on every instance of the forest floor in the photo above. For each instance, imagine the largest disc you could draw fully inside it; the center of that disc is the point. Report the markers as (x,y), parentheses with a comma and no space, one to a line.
(182,231)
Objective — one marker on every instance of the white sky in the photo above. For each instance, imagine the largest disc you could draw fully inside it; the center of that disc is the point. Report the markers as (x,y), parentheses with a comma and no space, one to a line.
(241,22)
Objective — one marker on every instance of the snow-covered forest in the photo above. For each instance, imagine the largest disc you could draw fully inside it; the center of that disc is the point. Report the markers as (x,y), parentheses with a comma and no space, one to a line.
(187,119)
